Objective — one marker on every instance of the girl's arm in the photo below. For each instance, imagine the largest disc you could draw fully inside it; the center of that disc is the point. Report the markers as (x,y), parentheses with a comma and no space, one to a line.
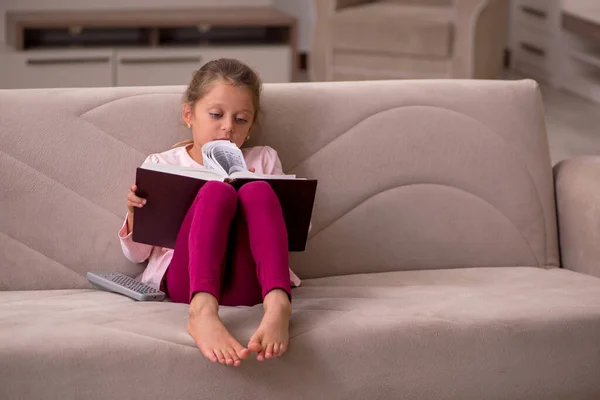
(134,252)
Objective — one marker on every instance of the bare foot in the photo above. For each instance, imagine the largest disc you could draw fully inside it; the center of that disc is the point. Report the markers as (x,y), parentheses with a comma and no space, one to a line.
(272,336)
(209,333)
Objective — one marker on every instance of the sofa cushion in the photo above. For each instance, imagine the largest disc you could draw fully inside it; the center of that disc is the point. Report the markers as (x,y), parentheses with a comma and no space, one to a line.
(419,334)
(413,174)
(394,28)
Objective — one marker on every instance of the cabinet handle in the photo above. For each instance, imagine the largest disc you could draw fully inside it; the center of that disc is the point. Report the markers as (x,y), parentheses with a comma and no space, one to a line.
(72,60)
(161,60)
(534,12)
(530,48)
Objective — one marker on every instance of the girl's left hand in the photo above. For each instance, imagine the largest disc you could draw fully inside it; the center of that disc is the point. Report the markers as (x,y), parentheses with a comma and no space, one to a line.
(251,169)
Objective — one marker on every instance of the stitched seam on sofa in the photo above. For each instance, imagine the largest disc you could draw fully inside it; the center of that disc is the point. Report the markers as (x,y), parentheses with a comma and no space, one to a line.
(42,254)
(54,181)
(490,130)
(320,326)
(194,347)
(79,291)
(126,97)
(107,134)
(430,184)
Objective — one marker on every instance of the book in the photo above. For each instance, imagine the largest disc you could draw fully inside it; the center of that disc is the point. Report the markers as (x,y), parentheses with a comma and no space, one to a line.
(171,190)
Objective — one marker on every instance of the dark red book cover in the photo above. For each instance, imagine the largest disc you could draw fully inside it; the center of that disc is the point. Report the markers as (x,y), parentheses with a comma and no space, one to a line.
(170,196)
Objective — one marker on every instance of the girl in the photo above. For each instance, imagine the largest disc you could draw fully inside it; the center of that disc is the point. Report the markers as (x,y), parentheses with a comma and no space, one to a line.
(232,246)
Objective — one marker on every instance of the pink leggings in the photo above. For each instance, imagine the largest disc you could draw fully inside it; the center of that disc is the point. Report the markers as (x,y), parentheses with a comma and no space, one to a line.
(232,245)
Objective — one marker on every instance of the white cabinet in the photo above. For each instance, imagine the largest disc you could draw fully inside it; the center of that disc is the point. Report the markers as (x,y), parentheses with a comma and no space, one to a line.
(535,39)
(139,48)
(149,67)
(56,68)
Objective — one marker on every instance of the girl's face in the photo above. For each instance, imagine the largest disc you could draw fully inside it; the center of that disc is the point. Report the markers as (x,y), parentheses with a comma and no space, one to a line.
(225,112)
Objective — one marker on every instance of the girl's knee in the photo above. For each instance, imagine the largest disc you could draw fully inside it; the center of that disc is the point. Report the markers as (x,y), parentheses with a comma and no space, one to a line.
(217,189)
(217,192)
(259,191)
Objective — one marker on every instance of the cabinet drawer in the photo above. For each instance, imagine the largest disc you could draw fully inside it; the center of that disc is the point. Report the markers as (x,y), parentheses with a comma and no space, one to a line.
(175,66)
(541,15)
(534,48)
(143,67)
(56,69)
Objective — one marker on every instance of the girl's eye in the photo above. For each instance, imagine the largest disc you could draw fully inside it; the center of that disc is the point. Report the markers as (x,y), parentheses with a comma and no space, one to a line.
(241,120)
(215,115)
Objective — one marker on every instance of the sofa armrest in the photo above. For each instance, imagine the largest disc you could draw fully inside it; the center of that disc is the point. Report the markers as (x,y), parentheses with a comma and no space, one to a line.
(577,183)
(481,32)
(321,49)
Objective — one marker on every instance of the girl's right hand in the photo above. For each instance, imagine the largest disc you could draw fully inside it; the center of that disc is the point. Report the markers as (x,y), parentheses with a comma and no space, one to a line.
(133,200)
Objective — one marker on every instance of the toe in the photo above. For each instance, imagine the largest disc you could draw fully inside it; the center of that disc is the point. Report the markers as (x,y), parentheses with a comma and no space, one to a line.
(269,352)
(235,360)
(276,347)
(260,356)
(254,345)
(228,358)
(240,351)
(220,356)
(210,355)
(282,349)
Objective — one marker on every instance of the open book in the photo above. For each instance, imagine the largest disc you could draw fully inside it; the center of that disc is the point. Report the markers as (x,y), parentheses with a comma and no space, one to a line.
(222,161)
(170,191)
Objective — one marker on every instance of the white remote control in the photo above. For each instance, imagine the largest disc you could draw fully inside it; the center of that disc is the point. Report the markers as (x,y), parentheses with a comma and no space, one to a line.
(118,283)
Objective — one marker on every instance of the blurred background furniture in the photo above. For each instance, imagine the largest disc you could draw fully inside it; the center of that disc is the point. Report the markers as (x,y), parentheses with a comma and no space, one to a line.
(391,39)
(92,48)
(535,37)
(580,21)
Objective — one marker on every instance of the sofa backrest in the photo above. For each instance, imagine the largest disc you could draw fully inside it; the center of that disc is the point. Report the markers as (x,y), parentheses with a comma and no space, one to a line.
(412,174)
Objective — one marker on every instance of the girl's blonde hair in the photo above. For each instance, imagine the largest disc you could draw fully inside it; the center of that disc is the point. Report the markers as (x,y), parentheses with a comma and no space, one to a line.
(225,69)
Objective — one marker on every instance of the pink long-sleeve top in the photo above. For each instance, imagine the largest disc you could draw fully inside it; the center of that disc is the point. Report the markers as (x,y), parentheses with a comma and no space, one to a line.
(263,159)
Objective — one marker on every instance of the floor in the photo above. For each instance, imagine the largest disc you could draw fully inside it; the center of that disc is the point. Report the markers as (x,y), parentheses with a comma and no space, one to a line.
(573,124)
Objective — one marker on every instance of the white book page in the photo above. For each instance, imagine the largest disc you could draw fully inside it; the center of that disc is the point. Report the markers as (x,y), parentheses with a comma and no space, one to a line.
(226,154)
(252,175)
(210,164)
(198,173)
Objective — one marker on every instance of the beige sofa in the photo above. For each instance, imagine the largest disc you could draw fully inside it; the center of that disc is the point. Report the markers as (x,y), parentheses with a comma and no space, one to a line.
(397,39)
(432,269)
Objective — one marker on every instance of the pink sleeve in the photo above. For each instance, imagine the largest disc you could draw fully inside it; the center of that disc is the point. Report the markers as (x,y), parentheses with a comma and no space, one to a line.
(271,162)
(134,252)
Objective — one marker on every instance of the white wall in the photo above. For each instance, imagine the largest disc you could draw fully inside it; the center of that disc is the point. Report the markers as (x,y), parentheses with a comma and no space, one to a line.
(303,10)
(44,5)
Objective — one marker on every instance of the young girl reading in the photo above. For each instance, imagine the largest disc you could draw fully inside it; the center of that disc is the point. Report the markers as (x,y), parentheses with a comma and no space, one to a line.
(232,246)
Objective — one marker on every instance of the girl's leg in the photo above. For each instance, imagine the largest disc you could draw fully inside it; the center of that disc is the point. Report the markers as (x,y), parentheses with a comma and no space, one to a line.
(195,273)
(197,261)
(259,268)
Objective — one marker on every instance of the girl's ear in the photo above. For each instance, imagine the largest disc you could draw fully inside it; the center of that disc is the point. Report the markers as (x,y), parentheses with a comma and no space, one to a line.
(186,113)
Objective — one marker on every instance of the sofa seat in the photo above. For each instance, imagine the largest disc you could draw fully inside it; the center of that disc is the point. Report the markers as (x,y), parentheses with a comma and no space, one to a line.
(394,29)
(523,332)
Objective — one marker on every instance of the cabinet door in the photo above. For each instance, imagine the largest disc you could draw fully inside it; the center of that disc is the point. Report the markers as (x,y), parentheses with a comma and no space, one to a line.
(155,67)
(56,69)
(175,66)
(272,63)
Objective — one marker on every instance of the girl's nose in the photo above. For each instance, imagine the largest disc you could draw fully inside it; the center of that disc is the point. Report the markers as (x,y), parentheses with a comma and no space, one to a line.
(227,126)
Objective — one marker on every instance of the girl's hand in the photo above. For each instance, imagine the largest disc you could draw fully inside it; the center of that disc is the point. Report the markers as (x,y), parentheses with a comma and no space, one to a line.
(251,169)
(133,200)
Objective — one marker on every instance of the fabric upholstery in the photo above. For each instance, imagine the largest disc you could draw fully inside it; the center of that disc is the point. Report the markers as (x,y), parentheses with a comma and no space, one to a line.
(436,179)
(470,334)
(578,204)
(431,271)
